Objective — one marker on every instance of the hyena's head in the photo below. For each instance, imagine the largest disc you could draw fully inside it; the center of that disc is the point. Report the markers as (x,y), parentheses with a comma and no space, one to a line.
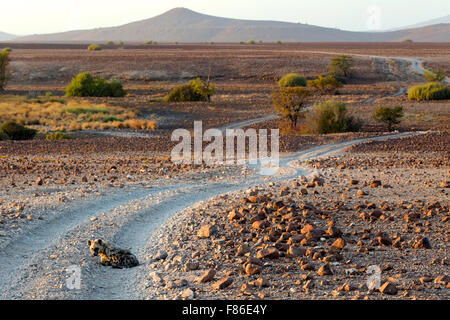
(97,246)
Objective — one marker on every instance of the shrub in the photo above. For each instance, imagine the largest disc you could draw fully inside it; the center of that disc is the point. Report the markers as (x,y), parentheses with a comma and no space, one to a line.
(80,110)
(290,102)
(251,42)
(429,91)
(388,116)
(150,42)
(196,90)
(325,84)
(435,75)
(278,42)
(292,80)
(4,62)
(17,131)
(110,43)
(341,66)
(111,119)
(84,85)
(3,136)
(330,117)
(94,47)
(7,49)
(120,43)
(58,136)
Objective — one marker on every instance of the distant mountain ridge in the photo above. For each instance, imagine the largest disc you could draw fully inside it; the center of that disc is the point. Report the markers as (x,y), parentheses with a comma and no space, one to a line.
(184,25)
(441,20)
(6,36)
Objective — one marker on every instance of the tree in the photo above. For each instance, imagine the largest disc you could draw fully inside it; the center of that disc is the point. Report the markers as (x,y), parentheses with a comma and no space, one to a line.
(341,66)
(290,102)
(292,80)
(388,116)
(330,117)
(435,75)
(325,84)
(4,61)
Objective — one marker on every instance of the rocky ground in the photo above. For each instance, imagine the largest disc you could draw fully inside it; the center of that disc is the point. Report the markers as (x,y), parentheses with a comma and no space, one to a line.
(381,205)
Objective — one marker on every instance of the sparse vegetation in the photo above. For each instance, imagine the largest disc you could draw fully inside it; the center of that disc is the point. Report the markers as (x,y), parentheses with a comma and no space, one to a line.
(72,115)
(120,43)
(388,116)
(4,62)
(84,85)
(290,102)
(251,42)
(195,90)
(58,136)
(110,43)
(292,80)
(435,75)
(429,91)
(94,47)
(341,66)
(330,117)
(15,131)
(325,85)
(150,42)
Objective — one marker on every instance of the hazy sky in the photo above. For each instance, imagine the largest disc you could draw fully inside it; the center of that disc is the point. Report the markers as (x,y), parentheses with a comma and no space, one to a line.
(45,16)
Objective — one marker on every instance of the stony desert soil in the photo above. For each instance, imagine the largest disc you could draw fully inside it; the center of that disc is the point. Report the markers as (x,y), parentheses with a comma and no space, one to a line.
(316,237)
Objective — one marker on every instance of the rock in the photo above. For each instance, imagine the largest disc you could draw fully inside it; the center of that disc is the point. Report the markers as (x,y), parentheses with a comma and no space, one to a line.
(207,276)
(384,241)
(442,279)
(268,253)
(262,282)
(445,184)
(39,181)
(259,225)
(160,255)
(325,270)
(246,290)
(422,243)
(389,288)
(234,215)
(207,231)
(425,279)
(252,269)
(156,278)
(339,244)
(333,232)
(361,193)
(222,284)
(354,182)
(242,250)
(188,294)
(375,184)
(296,251)
(189,266)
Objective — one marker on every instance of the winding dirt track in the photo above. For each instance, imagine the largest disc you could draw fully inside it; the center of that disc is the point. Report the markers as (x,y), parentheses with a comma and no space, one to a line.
(128,218)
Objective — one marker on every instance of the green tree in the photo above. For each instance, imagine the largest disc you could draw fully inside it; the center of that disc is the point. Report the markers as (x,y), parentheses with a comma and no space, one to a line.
(292,80)
(290,102)
(342,66)
(388,116)
(4,62)
(325,84)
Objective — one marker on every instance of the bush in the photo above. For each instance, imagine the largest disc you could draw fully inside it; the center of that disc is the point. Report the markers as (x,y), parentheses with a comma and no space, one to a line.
(251,42)
(80,110)
(341,66)
(325,84)
(290,102)
(150,42)
(94,47)
(120,43)
(388,116)
(110,43)
(84,85)
(292,80)
(17,131)
(4,62)
(435,75)
(196,90)
(111,119)
(3,136)
(429,91)
(330,117)
(58,136)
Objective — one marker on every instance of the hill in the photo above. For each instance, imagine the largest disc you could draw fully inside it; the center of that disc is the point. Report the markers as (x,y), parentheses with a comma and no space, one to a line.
(184,25)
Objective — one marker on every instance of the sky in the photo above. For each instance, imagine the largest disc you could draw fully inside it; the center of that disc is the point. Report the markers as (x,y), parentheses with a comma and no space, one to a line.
(22,17)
